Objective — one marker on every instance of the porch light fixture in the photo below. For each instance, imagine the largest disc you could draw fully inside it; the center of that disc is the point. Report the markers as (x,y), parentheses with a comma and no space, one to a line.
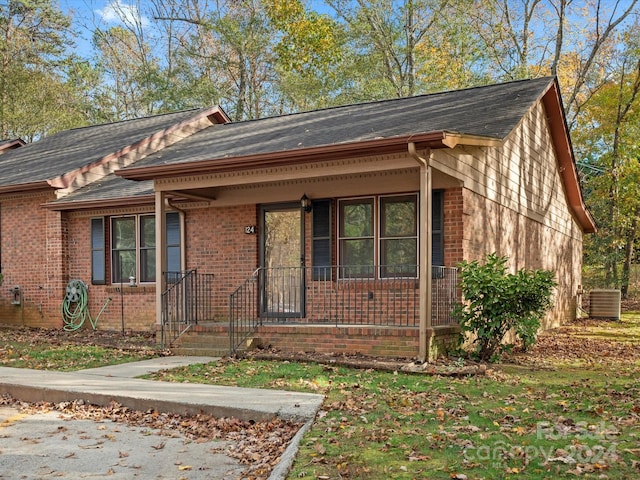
(305,203)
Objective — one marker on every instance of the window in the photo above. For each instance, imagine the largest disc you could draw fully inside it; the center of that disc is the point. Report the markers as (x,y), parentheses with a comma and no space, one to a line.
(123,249)
(148,249)
(384,231)
(132,248)
(356,237)
(399,236)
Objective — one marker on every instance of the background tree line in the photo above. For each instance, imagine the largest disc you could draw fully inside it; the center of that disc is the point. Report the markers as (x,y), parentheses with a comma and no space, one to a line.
(258,58)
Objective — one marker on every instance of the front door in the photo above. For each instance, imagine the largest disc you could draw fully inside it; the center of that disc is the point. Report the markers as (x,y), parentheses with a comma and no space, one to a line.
(282,259)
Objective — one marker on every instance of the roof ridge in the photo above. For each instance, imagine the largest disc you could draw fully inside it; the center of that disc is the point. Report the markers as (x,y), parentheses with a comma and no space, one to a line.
(387,100)
(116,122)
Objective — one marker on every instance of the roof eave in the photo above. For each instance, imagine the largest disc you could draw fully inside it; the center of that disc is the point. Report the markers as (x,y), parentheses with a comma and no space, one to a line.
(302,155)
(100,204)
(26,187)
(564,150)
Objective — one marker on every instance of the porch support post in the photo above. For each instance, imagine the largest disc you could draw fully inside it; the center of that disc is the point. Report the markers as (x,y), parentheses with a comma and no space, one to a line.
(425,248)
(161,253)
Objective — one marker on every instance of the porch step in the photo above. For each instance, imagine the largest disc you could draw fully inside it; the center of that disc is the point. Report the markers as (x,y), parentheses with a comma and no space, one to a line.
(210,340)
(200,352)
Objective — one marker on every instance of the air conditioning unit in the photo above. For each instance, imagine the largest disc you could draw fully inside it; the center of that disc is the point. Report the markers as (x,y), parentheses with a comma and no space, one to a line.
(604,303)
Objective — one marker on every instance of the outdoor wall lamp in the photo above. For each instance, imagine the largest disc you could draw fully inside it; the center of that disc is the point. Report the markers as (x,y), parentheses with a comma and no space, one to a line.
(305,203)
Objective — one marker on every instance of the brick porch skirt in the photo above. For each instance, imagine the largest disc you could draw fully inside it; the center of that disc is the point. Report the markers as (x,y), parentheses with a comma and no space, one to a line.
(365,340)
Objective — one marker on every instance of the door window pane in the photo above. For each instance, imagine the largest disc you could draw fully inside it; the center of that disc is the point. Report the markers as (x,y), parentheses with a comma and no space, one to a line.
(282,276)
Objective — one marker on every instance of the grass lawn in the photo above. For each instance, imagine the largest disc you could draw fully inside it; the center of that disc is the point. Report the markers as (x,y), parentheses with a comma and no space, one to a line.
(67,351)
(568,408)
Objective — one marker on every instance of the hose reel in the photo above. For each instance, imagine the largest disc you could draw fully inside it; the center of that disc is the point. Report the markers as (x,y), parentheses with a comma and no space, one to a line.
(75,306)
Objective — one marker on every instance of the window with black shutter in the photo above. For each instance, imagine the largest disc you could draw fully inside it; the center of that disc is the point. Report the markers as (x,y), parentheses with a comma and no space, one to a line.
(98,260)
(437,227)
(321,240)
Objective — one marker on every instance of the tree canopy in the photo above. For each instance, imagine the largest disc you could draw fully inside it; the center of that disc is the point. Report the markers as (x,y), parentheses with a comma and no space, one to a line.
(258,58)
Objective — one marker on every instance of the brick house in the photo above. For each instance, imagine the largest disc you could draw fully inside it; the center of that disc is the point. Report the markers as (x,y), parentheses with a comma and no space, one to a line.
(307,231)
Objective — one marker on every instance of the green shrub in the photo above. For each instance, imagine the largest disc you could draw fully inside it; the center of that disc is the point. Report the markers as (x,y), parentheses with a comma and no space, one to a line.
(496,302)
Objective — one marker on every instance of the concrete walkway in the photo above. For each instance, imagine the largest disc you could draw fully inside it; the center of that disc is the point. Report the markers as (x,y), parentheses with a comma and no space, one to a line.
(117,383)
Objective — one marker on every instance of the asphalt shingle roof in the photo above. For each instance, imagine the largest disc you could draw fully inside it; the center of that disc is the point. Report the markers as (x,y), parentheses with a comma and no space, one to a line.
(109,187)
(489,111)
(66,151)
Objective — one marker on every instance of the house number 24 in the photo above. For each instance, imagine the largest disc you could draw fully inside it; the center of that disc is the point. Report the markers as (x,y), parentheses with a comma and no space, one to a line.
(250,229)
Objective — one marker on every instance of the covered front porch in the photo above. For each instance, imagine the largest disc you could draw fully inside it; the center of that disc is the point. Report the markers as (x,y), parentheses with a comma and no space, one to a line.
(350,247)
(303,309)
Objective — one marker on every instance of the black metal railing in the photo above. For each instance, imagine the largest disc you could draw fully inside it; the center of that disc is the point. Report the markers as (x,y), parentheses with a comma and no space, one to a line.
(187,300)
(244,310)
(338,295)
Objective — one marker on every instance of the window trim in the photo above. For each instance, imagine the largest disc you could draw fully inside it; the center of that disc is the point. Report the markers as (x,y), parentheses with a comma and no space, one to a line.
(105,252)
(415,236)
(437,247)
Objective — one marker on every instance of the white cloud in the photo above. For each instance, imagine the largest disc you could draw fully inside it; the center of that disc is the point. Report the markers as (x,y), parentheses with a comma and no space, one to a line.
(122,13)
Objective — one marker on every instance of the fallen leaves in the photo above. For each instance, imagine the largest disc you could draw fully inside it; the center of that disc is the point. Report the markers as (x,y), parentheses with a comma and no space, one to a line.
(257,445)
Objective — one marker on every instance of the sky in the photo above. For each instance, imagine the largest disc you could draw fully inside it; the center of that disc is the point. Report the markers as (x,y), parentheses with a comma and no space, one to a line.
(88,15)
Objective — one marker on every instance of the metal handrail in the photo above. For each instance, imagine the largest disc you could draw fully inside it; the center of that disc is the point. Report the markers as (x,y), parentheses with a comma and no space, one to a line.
(186,301)
(243,311)
(339,295)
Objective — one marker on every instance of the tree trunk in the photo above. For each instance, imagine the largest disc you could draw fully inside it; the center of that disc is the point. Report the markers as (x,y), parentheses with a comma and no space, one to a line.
(628,256)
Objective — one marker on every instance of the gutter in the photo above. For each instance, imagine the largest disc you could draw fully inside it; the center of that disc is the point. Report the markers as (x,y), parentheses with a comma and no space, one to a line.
(281,158)
(106,203)
(26,187)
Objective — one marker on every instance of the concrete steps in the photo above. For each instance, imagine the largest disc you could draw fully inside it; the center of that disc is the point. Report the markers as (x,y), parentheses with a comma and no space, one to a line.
(203,340)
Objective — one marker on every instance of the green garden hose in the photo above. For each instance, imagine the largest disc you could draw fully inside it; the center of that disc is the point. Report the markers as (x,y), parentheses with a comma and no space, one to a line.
(75,306)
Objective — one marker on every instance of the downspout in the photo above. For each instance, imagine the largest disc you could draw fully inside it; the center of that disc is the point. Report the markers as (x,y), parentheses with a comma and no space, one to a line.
(425,248)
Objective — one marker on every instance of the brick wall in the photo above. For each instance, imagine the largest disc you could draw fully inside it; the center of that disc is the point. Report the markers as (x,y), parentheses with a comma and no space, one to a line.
(453,227)
(530,244)
(215,241)
(33,259)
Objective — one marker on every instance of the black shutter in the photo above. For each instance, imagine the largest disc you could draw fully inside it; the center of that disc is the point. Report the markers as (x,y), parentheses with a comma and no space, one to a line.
(98,259)
(321,240)
(437,227)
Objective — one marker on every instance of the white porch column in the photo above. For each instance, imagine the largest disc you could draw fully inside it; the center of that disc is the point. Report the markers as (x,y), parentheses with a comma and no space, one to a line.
(425,234)
(161,253)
